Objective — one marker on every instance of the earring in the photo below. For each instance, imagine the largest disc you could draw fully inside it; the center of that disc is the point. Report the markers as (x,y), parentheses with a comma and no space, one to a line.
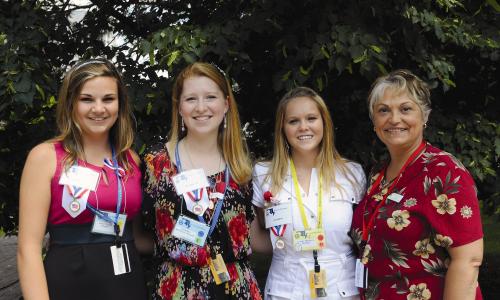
(425,125)
(374,128)
(225,121)
(182,125)
(287,146)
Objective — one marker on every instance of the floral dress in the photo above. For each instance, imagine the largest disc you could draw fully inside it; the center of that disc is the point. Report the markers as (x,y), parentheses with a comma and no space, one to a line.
(182,268)
(406,252)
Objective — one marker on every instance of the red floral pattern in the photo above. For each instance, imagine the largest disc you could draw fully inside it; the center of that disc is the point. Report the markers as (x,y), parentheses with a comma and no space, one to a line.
(406,253)
(230,237)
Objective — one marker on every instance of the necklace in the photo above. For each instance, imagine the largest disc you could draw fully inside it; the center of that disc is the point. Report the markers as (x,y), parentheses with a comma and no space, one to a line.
(186,148)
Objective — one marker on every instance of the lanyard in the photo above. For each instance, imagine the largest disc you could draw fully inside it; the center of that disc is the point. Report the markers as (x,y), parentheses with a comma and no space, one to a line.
(299,198)
(103,215)
(218,206)
(367,228)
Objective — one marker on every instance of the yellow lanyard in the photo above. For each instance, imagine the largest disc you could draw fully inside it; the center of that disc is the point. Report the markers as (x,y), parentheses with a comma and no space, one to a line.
(299,198)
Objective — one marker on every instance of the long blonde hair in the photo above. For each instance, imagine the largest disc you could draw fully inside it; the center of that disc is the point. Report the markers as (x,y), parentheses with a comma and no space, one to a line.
(234,149)
(70,134)
(328,160)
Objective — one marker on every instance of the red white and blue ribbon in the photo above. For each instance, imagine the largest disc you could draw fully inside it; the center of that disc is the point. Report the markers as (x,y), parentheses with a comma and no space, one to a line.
(196,195)
(76,192)
(279,230)
(108,163)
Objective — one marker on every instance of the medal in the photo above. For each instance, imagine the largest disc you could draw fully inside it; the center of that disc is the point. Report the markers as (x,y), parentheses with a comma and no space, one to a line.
(198,209)
(279,231)
(211,205)
(74,205)
(280,244)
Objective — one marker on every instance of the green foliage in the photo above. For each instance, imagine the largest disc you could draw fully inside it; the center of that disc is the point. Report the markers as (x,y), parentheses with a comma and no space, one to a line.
(266,48)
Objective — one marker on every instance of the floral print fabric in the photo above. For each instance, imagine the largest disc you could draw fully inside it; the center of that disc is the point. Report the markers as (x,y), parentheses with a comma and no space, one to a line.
(183,271)
(406,253)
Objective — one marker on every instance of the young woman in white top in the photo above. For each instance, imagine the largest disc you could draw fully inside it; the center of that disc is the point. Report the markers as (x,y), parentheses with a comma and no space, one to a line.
(307,192)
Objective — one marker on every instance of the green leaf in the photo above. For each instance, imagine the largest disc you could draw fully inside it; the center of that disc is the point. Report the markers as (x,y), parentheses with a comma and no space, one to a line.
(376,48)
(494,4)
(40,91)
(286,76)
(172,57)
(303,71)
(149,106)
(325,52)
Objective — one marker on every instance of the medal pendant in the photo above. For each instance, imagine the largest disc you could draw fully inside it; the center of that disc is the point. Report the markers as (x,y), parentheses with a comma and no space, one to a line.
(280,244)
(211,205)
(198,209)
(74,205)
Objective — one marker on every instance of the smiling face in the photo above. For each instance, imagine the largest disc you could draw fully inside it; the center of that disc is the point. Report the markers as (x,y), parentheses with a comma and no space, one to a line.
(202,105)
(398,121)
(303,125)
(96,108)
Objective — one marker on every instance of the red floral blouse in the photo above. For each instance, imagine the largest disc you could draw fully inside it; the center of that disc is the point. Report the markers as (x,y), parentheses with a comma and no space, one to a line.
(182,270)
(406,253)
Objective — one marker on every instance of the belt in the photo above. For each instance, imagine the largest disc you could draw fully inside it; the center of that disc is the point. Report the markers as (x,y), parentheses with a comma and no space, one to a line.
(71,234)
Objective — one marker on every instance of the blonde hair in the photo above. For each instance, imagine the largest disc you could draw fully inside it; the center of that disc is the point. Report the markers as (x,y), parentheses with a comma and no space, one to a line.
(328,160)
(401,81)
(234,149)
(70,134)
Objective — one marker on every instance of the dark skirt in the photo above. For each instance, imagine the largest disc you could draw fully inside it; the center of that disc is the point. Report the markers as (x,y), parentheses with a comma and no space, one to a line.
(86,272)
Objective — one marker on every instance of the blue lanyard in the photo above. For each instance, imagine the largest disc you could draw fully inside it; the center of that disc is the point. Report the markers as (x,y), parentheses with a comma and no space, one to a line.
(218,206)
(103,215)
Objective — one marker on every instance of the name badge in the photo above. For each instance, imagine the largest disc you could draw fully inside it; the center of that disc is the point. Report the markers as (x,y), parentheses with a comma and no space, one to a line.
(395,197)
(317,284)
(103,226)
(361,275)
(191,231)
(278,215)
(218,269)
(121,262)
(307,240)
(81,177)
(190,180)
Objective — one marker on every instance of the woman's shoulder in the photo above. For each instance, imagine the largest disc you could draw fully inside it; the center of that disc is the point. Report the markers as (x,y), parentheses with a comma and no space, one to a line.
(42,157)
(261,168)
(157,148)
(436,159)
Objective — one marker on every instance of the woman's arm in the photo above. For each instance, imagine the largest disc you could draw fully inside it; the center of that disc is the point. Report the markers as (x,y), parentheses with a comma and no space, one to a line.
(34,203)
(461,277)
(259,236)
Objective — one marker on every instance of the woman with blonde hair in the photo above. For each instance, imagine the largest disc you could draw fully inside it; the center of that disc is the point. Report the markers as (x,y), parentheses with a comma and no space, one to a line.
(305,196)
(198,186)
(84,188)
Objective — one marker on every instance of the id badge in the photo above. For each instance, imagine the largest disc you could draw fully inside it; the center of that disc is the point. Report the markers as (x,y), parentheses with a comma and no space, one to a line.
(190,180)
(317,284)
(307,240)
(81,177)
(395,197)
(105,227)
(219,269)
(197,206)
(361,275)
(191,231)
(278,215)
(121,261)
